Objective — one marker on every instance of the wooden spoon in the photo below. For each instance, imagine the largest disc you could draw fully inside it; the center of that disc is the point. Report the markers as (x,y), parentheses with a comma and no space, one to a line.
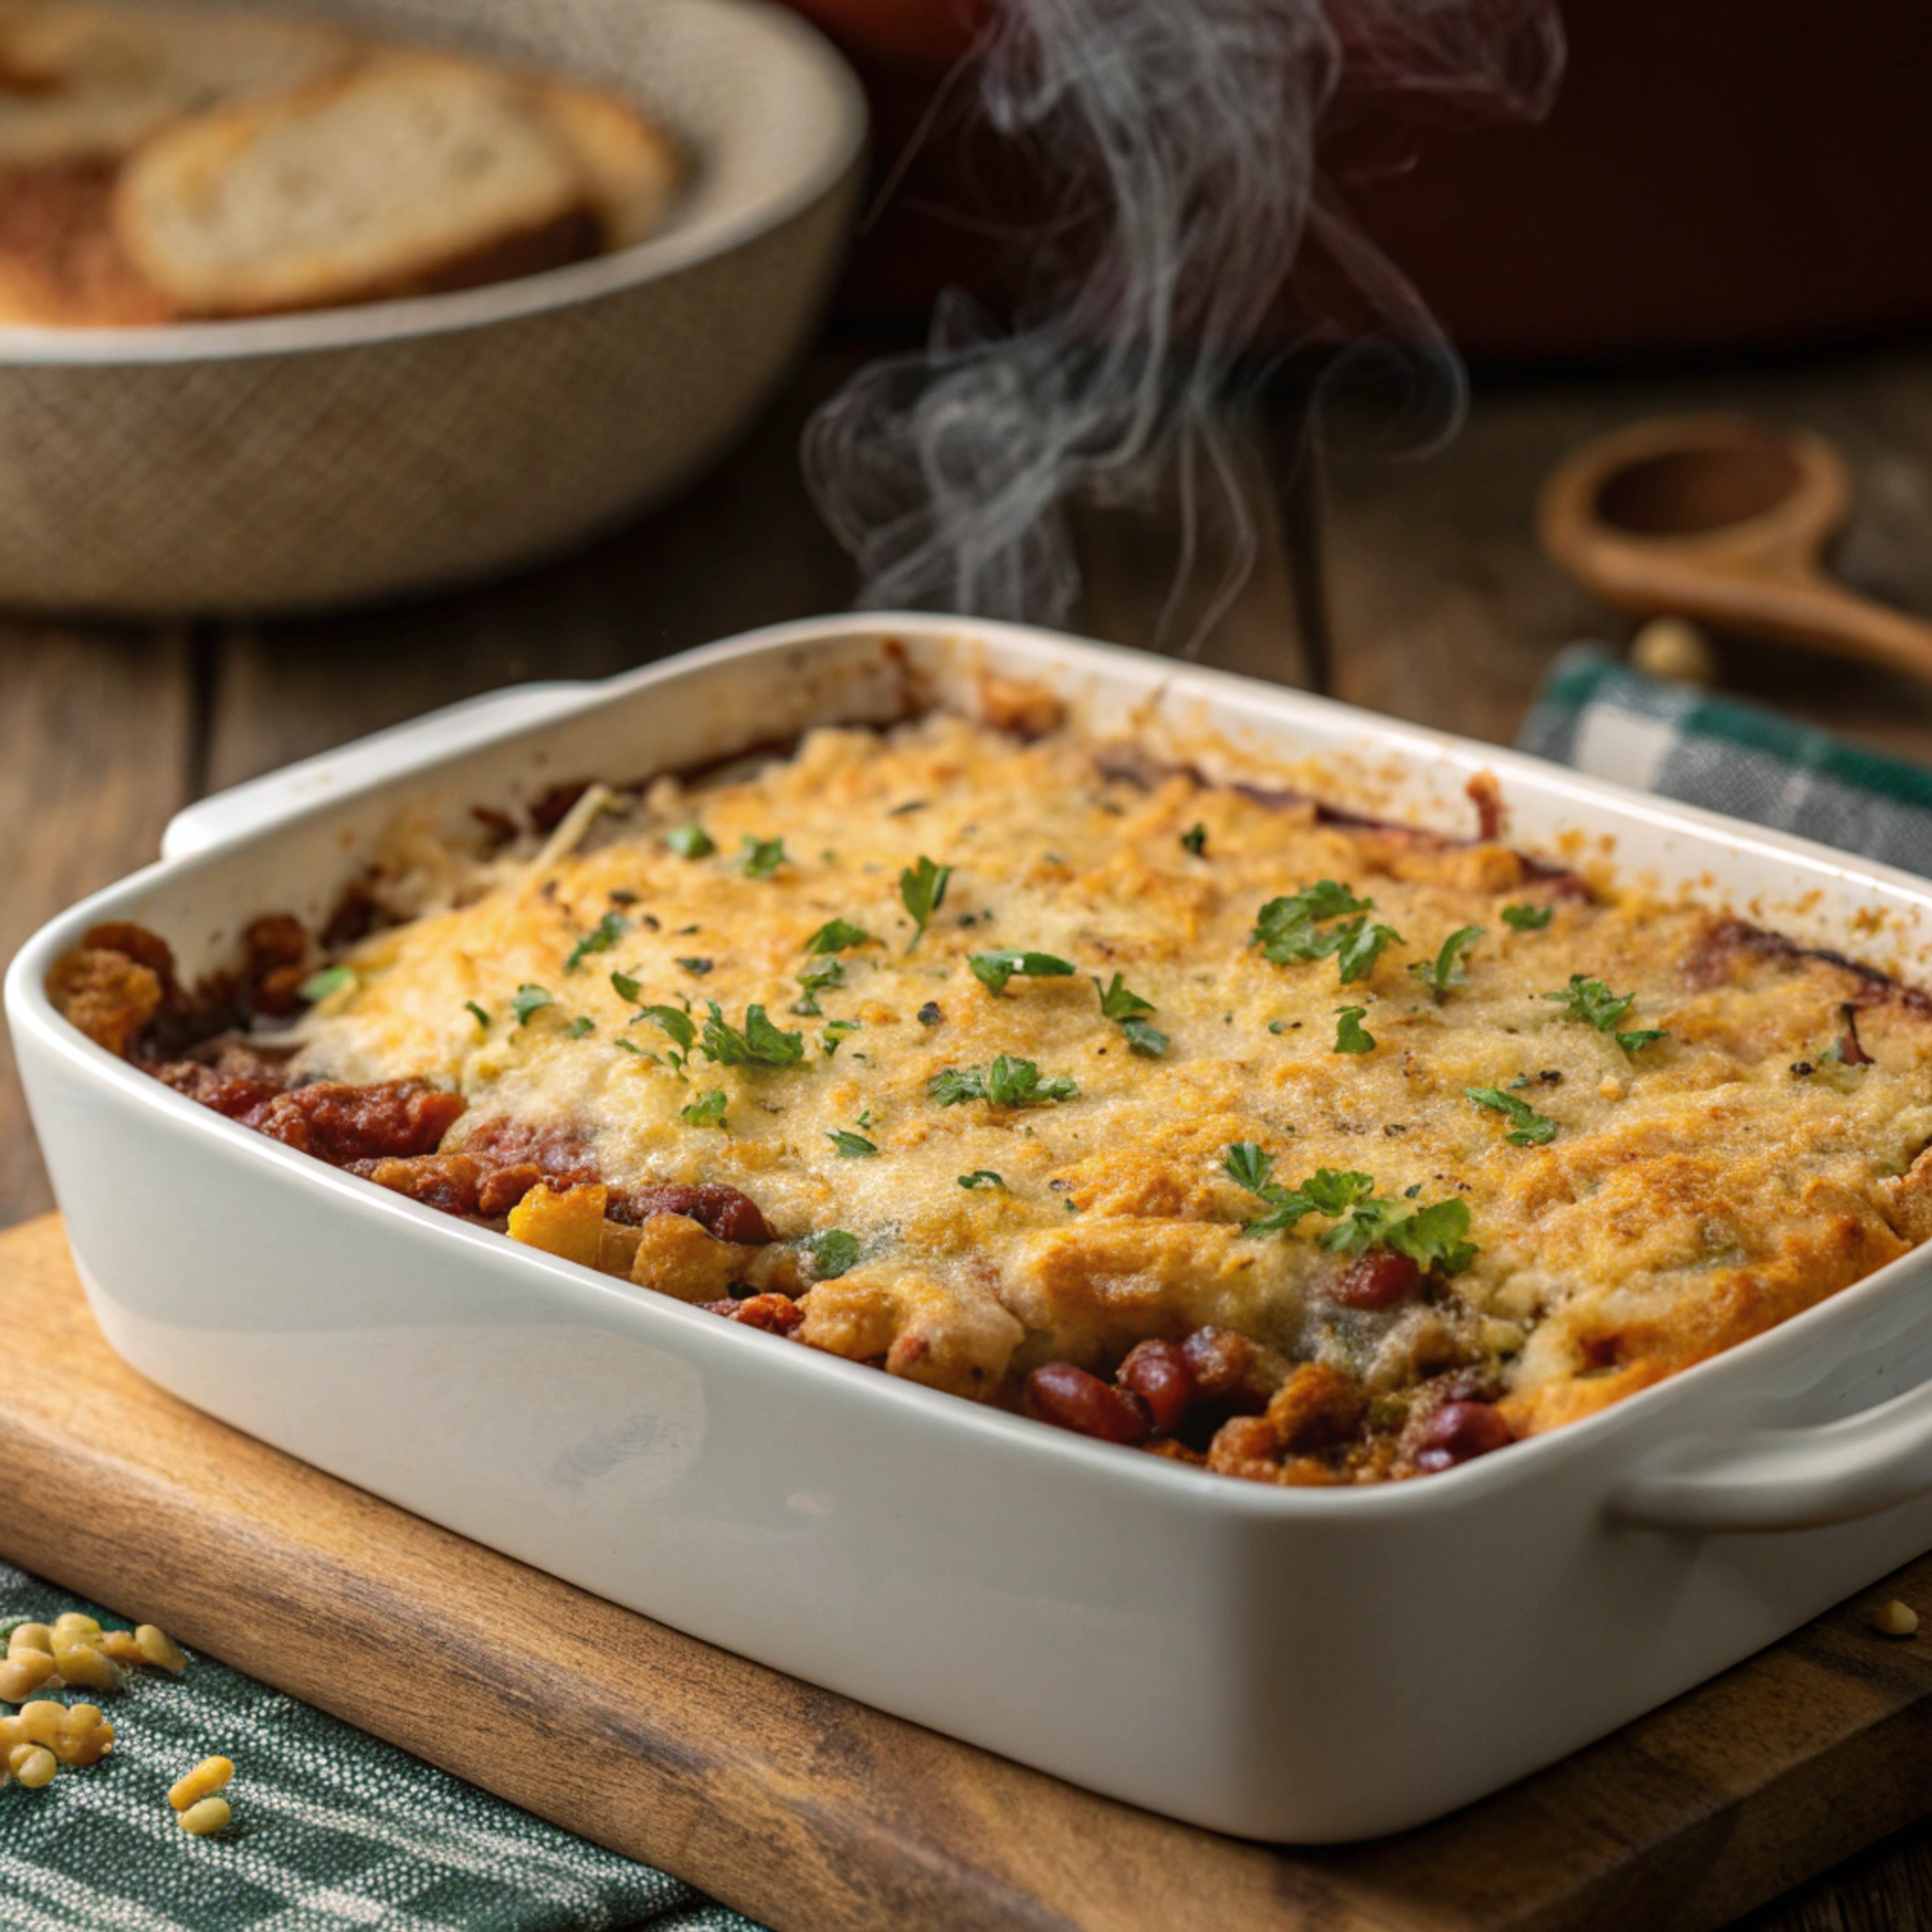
(1723,519)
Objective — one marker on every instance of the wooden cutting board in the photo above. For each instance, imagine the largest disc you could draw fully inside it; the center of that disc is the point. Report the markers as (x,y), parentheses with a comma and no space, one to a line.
(807,1810)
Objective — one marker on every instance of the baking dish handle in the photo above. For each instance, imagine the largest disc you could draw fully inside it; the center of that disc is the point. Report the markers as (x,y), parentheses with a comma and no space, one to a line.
(261,803)
(1786,1478)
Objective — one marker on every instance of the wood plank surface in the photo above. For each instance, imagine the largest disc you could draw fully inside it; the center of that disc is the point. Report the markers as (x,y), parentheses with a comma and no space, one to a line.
(808,1811)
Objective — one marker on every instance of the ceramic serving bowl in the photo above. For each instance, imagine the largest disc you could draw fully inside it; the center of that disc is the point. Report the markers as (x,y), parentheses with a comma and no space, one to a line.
(1284,1663)
(351,454)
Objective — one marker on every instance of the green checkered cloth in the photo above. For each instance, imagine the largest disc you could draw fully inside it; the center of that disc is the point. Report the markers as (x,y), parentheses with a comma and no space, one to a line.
(1680,742)
(332,1827)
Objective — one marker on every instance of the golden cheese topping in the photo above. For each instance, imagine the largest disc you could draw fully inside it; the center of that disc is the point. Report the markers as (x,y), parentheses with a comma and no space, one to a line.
(1612,1136)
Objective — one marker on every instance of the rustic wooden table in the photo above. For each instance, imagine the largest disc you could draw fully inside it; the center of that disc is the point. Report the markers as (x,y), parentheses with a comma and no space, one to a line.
(1411,586)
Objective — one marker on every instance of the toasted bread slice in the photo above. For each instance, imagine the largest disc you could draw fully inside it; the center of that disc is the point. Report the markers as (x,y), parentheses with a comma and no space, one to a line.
(411,174)
(630,165)
(86,83)
(60,264)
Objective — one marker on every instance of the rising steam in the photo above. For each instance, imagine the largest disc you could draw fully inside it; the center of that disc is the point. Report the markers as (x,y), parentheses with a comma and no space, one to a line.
(1175,141)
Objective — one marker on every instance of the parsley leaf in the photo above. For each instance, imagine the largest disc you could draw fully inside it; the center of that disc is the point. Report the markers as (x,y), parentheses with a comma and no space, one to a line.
(1004,1083)
(816,975)
(836,1031)
(1435,1238)
(709,1112)
(1195,839)
(696,967)
(1358,945)
(331,979)
(1449,967)
(1430,1236)
(1147,1041)
(482,1018)
(608,930)
(982,1177)
(922,891)
(1529,1129)
(761,1043)
(675,1023)
(838,936)
(1285,929)
(993,970)
(528,1000)
(1117,1003)
(833,1253)
(578,1027)
(1591,1000)
(690,841)
(1528,918)
(1351,1036)
(852,1146)
(761,857)
(1247,1166)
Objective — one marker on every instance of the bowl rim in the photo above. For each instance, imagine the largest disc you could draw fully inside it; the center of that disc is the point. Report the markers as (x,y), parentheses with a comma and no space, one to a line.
(790,35)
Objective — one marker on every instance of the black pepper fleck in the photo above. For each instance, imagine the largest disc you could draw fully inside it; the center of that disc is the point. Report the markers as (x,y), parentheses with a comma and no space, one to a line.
(930,1014)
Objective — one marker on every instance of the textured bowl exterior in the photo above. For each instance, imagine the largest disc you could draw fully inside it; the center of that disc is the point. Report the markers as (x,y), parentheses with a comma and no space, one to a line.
(1300,1664)
(307,461)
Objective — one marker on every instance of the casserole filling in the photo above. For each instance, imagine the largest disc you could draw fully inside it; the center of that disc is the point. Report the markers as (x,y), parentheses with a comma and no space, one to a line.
(1189,1117)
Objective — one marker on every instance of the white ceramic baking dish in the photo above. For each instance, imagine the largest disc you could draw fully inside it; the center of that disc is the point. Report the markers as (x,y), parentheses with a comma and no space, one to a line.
(1289,1664)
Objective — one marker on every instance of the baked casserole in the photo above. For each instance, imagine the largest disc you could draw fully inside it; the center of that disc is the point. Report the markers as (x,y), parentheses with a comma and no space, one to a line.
(1198,1117)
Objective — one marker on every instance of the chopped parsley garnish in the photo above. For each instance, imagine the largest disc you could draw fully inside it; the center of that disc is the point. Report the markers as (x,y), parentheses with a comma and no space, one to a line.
(922,891)
(993,970)
(816,975)
(709,1112)
(835,1031)
(1449,967)
(760,1043)
(696,967)
(528,1000)
(1528,1128)
(982,1177)
(833,1253)
(331,979)
(1301,927)
(1005,1082)
(608,930)
(632,1047)
(1528,918)
(838,936)
(1431,1237)
(690,841)
(1351,1036)
(482,1017)
(578,1027)
(1592,1002)
(1128,1011)
(627,988)
(676,1024)
(1195,839)
(761,857)
(852,1146)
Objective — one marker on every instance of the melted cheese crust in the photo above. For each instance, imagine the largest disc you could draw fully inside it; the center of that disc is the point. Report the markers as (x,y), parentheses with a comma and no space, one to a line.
(1694,1193)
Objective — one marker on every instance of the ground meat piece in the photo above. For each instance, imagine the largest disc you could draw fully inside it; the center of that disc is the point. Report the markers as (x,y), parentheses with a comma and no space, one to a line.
(502,1188)
(149,949)
(720,1210)
(343,1124)
(776,1314)
(112,998)
(448,1181)
(552,1149)
(236,1094)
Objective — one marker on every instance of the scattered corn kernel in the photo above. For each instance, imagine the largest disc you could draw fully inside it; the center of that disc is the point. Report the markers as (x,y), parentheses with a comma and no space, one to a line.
(1674,648)
(205,1819)
(119,1646)
(85,1737)
(85,1668)
(23,1673)
(41,1720)
(33,1765)
(209,1775)
(160,1649)
(1896,1619)
(29,1636)
(76,1626)
(570,1224)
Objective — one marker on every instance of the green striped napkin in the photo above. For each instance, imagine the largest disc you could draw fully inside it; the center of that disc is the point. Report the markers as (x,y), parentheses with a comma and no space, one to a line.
(332,1827)
(1681,743)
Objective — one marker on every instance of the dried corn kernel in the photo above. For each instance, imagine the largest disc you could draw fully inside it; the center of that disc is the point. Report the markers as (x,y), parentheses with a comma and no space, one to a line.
(83,1666)
(158,1648)
(23,1674)
(209,1775)
(1674,648)
(119,1646)
(76,1626)
(570,1224)
(85,1737)
(41,1720)
(1896,1619)
(29,1636)
(211,1815)
(33,1765)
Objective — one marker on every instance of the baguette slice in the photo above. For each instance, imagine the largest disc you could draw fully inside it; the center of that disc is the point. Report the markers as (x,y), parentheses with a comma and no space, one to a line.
(60,264)
(86,83)
(412,173)
(629,164)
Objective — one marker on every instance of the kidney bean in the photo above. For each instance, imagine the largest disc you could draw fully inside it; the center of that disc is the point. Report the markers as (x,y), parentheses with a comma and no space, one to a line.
(1069,1398)
(1458,1432)
(1158,1373)
(1378,1279)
